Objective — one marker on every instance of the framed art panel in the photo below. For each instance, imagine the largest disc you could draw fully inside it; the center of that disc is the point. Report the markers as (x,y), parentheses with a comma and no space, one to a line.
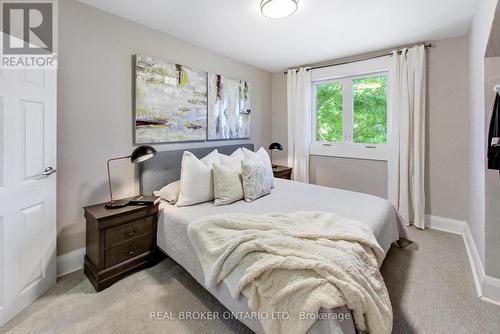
(170,102)
(228,108)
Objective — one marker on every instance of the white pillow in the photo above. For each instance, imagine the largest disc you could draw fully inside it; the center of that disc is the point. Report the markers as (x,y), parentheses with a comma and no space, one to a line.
(255,183)
(231,163)
(170,192)
(227,185)
(196,184)
(234,160)
(211,158)
(238,154)
(264,157)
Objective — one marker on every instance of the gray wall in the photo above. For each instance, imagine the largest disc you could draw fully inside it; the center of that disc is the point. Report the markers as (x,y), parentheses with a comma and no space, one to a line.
(364,176)
(94,105)
(447,166)
(448,135)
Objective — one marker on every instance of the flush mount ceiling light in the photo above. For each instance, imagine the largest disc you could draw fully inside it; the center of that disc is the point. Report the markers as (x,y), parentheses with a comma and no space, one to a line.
(277,9)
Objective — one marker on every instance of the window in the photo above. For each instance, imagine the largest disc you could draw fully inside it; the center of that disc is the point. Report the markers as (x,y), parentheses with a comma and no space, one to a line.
(370,110)
(351,116)
(329,112)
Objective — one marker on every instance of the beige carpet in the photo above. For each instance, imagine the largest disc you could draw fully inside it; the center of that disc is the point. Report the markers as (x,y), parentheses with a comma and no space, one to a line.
(430,284)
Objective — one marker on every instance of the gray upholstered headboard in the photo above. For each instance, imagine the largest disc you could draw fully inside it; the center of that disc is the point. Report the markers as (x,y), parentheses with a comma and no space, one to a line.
(165,167)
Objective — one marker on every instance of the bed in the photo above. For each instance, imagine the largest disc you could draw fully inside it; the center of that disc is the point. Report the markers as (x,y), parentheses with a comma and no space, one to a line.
(286,197)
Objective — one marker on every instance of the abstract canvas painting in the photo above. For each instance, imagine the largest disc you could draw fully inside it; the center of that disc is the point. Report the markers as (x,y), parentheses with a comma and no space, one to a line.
(228,108)
(170,102)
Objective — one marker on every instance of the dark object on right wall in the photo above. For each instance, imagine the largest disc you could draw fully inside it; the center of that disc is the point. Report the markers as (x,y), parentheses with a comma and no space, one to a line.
(494,137)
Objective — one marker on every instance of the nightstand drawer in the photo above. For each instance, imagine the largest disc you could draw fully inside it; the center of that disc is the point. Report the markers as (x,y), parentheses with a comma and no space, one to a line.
(129,249)
(126,232)
(283,175)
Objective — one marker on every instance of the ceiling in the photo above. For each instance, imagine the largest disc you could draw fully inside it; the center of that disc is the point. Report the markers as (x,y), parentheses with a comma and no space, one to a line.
(320,30)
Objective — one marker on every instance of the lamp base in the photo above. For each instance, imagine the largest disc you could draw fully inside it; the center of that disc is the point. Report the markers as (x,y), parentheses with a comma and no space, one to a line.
(116,204)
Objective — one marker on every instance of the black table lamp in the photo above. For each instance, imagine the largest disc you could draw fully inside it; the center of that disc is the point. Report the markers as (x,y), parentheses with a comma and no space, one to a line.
(140,154)
(275,147)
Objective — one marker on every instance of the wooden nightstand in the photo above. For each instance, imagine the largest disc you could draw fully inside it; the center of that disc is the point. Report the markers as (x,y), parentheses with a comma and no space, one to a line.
(282,172)
(119,241)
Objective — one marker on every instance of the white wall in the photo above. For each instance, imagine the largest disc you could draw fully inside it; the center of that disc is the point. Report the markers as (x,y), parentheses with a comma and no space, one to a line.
(94,105)
(479,34)
(492,185)
(447,161)
(492,177)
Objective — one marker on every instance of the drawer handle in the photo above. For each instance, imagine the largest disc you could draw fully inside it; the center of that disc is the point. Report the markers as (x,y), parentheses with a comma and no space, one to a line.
(130,233)
(131,251)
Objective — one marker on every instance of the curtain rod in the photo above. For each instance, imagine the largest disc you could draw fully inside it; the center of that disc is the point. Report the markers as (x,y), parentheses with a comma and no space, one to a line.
(355,60)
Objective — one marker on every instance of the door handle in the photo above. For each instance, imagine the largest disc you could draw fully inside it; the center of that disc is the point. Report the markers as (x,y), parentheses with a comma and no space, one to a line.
(48,171)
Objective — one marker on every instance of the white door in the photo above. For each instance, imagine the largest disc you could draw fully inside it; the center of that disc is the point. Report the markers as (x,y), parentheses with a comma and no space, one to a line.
(27,197)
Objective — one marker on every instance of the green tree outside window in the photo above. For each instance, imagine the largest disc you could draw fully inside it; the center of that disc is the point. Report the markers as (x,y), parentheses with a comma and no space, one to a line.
(369,111)
(329,106)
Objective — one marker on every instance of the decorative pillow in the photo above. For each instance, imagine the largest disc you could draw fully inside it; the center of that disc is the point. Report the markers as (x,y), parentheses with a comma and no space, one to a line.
(196,184)
(227,185)
(231,163)
(262,155)
(211,158)
(255,183)
(234,160)
(238,154)
(170,192)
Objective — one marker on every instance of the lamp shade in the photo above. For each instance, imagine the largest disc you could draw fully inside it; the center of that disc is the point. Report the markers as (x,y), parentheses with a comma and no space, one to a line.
(276,147)
(142,153)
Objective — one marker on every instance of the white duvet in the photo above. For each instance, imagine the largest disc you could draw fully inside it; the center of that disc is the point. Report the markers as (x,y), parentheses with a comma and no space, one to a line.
(296,263)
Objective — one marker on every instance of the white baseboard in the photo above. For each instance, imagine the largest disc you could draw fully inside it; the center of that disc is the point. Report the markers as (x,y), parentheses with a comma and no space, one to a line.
(487,287)
(474,260)
(445,224)
(70,262)
(491,290)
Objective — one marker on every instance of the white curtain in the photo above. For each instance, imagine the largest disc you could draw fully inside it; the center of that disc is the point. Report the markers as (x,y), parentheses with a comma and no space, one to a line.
(299,122)
(406,165)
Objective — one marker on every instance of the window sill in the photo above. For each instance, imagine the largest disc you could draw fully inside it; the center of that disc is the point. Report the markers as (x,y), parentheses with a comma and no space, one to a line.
(351,151)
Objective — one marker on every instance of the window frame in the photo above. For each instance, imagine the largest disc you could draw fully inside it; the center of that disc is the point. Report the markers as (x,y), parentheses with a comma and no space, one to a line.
(347,74)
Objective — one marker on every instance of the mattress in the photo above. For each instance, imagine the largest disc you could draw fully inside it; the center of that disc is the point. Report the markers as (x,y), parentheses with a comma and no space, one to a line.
(286,197)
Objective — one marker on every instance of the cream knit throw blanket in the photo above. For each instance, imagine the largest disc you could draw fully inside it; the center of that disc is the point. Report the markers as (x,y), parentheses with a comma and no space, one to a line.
(296,263)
